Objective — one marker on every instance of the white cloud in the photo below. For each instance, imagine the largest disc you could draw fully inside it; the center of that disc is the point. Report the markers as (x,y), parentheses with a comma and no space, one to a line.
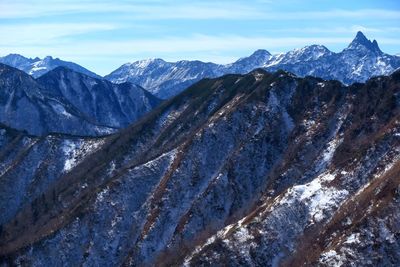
(381,14)
(139,10)
(193,43)
(44,34)
(184,44)
(337,30)
(22,33)
(164,10)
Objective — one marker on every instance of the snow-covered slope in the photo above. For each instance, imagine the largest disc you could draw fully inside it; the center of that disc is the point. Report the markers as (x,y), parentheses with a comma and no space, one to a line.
(64,101)
(361,60)
(247,64)
(244,170)
(164,79)
(36,67)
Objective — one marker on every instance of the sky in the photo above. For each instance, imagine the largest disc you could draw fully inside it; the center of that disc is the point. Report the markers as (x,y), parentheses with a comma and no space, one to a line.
(102,35)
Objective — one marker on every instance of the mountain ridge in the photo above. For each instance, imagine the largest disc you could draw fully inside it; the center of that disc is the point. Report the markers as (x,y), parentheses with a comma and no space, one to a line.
(65,101)
(361,60)
(262,158)
(36,67)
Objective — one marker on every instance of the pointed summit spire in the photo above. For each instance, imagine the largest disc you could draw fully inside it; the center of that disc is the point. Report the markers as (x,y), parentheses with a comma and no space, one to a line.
(360,41)
(360,37)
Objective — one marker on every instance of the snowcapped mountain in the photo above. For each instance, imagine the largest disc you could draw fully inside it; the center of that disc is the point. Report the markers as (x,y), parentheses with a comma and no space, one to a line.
(247,64)
(36,67)
(162,78)
(64,101)
(361,60)
(262,169)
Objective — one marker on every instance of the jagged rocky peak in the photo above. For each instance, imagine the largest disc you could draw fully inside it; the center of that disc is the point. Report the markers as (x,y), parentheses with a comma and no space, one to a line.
(361,42)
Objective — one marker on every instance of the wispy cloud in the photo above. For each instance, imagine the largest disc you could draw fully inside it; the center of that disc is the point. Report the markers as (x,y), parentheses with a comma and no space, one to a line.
(163,10)
(192,43)
(139,10)
(381,14)
(338,30)
(104,31)
(43,34)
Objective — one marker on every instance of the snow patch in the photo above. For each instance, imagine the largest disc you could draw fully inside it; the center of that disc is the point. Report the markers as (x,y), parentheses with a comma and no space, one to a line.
(75,150)
(318,198)
(59,109)
(70,151)
(353,239)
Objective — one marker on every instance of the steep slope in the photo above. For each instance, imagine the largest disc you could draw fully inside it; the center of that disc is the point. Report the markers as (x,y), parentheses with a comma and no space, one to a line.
(24,105)
(36,67)
(64,101)
(361,60)
(114,105)
(30,164)
(318,221)
(239,170)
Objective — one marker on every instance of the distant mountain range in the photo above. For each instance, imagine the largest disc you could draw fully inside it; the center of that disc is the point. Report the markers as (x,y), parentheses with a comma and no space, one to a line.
(36,67)
(65,101)
(361,60)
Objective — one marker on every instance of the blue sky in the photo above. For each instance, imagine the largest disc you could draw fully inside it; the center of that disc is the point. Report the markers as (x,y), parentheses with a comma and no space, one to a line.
(102,35)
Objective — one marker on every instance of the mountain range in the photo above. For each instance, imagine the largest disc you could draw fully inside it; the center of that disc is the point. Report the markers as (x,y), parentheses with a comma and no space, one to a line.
(361,60)
(36,67)
(258,166)
(262,169)
(65,101)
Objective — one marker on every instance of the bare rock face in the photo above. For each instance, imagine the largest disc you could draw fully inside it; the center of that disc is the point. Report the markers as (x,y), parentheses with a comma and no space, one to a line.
(256,170)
